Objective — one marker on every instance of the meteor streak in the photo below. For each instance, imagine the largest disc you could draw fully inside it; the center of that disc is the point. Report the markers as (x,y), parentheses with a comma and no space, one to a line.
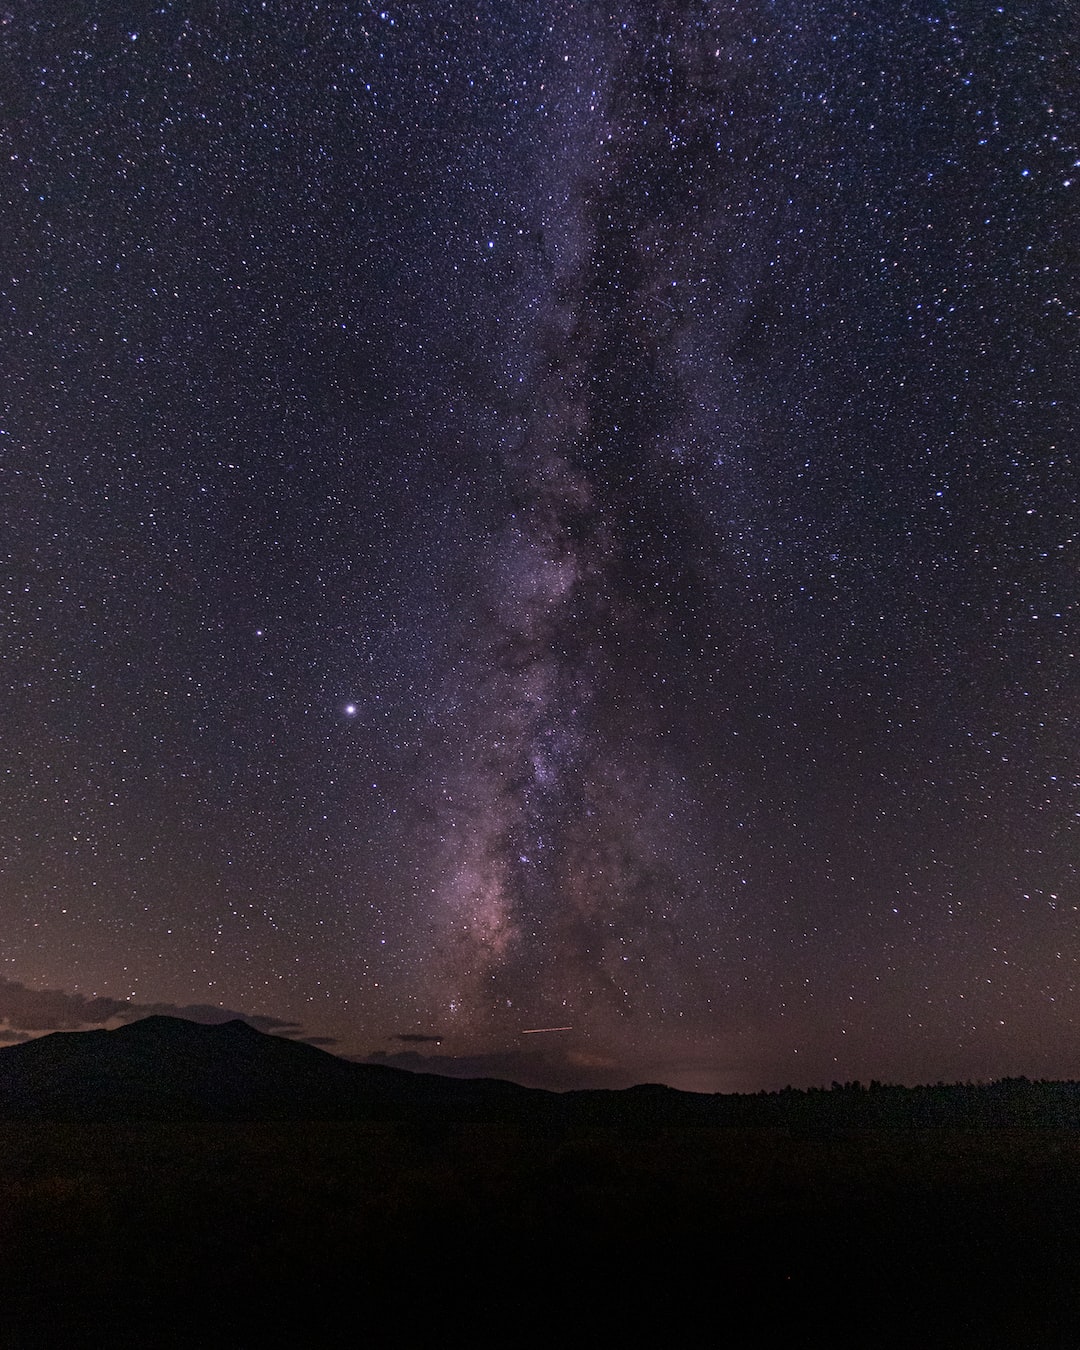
(539,1031)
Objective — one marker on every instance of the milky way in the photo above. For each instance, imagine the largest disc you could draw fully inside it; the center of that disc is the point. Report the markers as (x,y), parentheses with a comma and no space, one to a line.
(548,516)
(555,892)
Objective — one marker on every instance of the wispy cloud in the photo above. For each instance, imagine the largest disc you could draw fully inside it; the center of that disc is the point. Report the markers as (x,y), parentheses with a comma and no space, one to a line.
(24,1010)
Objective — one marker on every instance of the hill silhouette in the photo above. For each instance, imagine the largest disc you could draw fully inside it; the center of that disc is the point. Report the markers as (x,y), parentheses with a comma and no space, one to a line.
(170,1069)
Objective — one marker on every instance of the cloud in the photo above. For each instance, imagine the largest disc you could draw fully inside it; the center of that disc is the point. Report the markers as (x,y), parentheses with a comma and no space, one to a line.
(39,1010)
(412,1038)
(13,1036)
(53,1010)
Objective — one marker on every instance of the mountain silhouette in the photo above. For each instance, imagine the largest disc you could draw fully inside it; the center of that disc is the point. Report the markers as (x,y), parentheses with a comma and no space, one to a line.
(169,1068)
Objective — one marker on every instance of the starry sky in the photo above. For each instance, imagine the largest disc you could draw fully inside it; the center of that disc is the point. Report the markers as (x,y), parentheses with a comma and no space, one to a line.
(534,514)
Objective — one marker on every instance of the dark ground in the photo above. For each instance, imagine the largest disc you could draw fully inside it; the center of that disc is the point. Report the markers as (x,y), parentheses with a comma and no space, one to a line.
(159,1235)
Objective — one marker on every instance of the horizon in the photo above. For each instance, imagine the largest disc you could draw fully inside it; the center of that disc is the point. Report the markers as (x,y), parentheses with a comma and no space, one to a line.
(458,1071)
(531,1073)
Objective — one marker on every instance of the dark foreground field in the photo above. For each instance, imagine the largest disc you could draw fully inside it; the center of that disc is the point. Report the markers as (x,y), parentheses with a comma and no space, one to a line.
(373,1235)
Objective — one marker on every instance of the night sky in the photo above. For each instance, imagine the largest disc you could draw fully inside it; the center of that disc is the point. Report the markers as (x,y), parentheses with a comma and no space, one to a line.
(534,514)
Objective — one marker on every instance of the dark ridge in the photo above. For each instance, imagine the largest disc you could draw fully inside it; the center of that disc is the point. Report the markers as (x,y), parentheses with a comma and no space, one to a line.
(167,1068)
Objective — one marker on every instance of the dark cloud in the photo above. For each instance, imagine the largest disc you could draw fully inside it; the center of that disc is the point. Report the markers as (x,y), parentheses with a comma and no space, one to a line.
(412,1038)
(25,1009)
(53,1010)
(13,1036)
